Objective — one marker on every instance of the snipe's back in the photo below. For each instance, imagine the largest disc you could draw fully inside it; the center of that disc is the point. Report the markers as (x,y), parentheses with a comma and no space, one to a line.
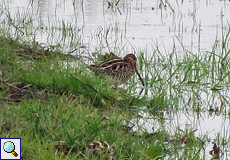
(116,71)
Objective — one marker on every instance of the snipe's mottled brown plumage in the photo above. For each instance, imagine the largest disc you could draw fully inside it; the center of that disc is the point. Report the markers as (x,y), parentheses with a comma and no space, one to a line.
(117,70)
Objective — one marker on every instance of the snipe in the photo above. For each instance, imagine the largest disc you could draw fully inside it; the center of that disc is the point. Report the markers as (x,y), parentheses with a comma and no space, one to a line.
(118,70)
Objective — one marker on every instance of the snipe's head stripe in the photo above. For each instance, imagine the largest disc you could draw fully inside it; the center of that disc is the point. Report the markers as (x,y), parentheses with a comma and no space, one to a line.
(131,58)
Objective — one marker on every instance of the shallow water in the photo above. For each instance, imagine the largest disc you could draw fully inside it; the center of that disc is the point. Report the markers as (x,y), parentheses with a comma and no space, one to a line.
(133,26)
(213,126)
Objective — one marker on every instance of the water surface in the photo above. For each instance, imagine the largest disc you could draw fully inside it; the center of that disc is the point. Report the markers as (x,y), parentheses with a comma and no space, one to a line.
(132,27)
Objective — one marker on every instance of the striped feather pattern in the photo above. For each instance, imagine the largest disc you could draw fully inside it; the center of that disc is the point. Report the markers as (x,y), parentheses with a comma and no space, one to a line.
(117,70)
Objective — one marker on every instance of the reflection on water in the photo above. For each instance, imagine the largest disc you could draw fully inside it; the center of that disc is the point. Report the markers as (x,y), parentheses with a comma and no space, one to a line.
(133,26)
(209,125)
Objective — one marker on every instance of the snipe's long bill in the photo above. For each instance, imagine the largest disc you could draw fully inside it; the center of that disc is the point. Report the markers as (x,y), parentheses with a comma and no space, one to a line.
(118,70)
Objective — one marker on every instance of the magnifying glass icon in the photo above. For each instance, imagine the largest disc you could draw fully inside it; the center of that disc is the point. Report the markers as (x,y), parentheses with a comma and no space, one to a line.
(9,147)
